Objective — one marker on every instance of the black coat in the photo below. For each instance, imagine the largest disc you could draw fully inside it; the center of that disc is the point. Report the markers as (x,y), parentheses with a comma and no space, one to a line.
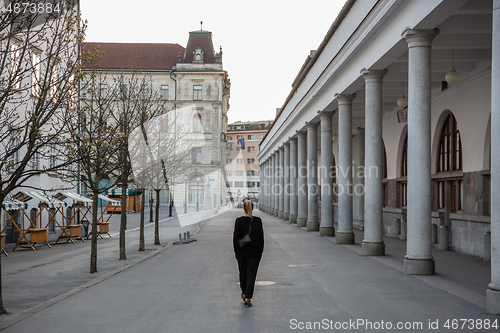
(241,227)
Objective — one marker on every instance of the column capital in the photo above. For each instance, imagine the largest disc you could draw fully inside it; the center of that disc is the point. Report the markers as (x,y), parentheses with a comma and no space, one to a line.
(301,134)
(311,126)
(419,38)
(345,98)
(373,75)
(325,115)
(286,144)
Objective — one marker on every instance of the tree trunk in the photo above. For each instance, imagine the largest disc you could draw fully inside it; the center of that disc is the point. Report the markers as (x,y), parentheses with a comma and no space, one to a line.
(157,218)
(93,244)
(2,309)
(141,227)
(123,221)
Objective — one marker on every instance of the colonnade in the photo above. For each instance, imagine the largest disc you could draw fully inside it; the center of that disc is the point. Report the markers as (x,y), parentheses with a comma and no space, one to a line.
(290,178)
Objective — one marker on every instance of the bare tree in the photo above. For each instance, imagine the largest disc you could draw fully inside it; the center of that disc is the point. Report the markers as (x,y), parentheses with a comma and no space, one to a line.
(39,66)
(160,151)
(138,101)
(96,141)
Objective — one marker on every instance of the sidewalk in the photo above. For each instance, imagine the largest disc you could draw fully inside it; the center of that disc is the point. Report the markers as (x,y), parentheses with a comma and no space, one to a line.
(303,279)
(32,277)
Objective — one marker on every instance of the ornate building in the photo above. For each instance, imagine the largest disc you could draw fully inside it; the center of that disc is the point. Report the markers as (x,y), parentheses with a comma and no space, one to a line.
(196,91)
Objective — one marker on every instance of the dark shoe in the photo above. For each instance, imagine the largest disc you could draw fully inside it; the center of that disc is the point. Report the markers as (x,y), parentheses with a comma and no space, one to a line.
(248,303)
(242,296)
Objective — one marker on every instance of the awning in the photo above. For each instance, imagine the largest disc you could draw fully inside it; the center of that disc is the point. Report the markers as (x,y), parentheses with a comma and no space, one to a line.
(118,191)
(111,201)
(86,202)
(25,196)
(14,204)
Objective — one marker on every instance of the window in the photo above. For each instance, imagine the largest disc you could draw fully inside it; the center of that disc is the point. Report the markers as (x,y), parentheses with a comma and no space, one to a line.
(229,173)
(35,161)
(250,137)
(53,81)
(239,137)
(35,84)
(261,136)
(238,149)
(250,172)
(262,126)
(164,92)
(196,93)
(250,160)
(144,91)
(14,158)
(239,184)
(53,156)
(196,155)
(15,61)
(251,149)
(239,161)
(251,184)
(450,147)
(229,138)
(404,193)
(104,90)
(229,184)
(404,162)
(239,173)
(123,92)
(456,200)
(229,160)
(197,123)
(164,125)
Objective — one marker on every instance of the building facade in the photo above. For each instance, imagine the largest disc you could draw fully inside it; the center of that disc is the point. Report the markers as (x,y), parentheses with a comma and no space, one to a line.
(242,168)
(390,126)
(195,90)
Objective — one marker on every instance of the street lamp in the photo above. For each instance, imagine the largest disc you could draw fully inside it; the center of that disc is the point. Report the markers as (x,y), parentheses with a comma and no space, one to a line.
(151,206)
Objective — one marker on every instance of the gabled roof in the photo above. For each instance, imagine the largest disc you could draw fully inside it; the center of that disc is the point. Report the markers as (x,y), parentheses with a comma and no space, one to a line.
(152,56)
(202,38)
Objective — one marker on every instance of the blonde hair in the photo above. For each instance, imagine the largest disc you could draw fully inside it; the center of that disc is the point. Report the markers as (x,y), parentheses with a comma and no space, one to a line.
(248,207)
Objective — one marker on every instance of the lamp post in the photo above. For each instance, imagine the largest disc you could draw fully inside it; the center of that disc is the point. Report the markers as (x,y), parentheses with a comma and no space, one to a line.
(150,206)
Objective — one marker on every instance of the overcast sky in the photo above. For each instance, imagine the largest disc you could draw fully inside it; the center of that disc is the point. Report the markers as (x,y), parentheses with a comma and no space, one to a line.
(264,43)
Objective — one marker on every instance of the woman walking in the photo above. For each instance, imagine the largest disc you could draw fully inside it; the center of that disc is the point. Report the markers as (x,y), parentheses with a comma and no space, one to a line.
(249,255)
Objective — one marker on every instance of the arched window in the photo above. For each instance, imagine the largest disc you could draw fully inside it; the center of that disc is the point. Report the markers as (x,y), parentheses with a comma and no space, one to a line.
(450,146)
(197,123)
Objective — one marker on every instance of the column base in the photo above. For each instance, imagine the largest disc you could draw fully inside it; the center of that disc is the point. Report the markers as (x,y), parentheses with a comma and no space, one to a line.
(275,212)
(301,222)
(344,237)
(286,216)
(292,219)
(280,214)
(327,231)
(373,249)
(312,226)
(493,301)
(419,267)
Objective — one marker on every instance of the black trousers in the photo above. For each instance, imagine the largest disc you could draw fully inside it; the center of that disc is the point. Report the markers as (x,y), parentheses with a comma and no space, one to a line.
(248,267)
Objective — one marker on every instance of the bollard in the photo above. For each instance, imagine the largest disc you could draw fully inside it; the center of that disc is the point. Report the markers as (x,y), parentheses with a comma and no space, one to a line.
(403,230)
(443,238)
(487,246)
(434,235)
(180,238)
(86,227)
(189,235)
(184,236)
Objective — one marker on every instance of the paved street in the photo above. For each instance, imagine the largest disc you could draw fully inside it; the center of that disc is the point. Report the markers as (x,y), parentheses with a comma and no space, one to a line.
(303,278)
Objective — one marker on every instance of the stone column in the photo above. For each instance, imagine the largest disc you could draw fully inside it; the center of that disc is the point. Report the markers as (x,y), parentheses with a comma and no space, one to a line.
(282,183)
(293,181)
(271,184)
(276,190)
(302,180)
(373,243)
(345,234)
(493,292)
(361,198)
(263,185)
(312,177)
(286,186)
(326,226)
(419,258)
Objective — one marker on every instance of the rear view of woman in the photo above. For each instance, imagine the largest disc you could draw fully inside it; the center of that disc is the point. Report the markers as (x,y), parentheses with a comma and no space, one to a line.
(249,255)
